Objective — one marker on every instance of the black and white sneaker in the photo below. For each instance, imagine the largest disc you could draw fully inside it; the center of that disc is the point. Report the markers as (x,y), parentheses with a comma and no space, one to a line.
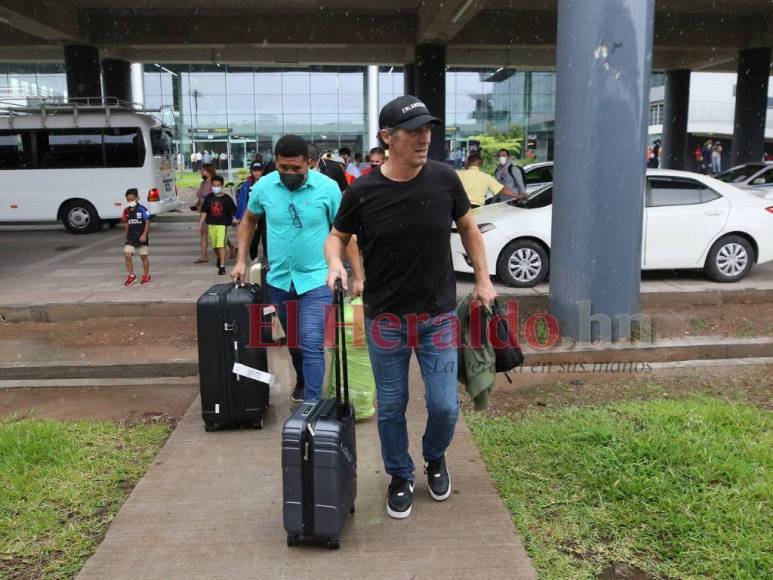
(297,395)
(399,498)
(438,480)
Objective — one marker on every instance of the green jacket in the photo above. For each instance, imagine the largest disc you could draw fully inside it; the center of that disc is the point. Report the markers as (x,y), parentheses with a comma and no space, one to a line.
(477,366)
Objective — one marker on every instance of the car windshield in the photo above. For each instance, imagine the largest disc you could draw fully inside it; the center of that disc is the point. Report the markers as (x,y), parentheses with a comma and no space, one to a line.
(543,197)
(740,173)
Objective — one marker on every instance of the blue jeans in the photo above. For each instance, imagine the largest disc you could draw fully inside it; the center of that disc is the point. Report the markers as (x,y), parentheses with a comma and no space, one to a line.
(390,369)
(309,359)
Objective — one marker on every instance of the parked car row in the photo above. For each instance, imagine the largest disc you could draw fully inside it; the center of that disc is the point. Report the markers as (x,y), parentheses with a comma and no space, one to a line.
(691,221)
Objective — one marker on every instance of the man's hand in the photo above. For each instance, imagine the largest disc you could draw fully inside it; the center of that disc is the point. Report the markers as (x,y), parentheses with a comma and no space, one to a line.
(485,292)
(358,285)
(334,274)
(239,271)
(143,238)
(198,227)
(237,222)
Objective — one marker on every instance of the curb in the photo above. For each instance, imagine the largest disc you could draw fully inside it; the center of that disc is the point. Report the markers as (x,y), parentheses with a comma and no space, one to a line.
(602,359)
(83,310)
(179,368)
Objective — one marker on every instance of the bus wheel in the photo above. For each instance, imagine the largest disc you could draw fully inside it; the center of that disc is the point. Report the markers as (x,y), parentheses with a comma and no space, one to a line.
(80,217)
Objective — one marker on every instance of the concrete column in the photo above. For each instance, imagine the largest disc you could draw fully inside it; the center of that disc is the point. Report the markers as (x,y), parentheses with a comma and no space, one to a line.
(409,79)
(372,93)
(675,114)
(117,77)
(81,63)
(751,104)
(138,84)
(604,51)
(431,89)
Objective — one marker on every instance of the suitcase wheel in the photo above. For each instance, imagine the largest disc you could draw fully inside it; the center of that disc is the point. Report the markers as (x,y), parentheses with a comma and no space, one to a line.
(351,511)
(333,544)
(292,541)
(258,424)
(209,427)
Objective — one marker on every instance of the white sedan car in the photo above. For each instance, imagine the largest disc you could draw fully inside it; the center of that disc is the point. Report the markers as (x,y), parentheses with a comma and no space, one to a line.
(691,221)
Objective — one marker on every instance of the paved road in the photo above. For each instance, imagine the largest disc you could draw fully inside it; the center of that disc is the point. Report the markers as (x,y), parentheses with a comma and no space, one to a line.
(46,264)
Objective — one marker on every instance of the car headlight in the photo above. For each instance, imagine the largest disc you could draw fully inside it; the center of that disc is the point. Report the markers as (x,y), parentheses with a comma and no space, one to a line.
(486,228)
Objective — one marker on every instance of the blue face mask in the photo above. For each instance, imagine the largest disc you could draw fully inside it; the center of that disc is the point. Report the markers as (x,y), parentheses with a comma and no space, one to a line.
(292,181)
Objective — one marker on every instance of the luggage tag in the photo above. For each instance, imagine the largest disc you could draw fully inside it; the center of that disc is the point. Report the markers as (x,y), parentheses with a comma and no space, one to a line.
(254,374)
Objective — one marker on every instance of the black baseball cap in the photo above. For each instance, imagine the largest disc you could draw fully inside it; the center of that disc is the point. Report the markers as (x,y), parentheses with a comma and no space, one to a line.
(406,112)
(257,166)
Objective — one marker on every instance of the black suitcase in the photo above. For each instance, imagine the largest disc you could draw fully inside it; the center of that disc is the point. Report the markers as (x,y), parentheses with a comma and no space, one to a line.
(229,399)
(319,460)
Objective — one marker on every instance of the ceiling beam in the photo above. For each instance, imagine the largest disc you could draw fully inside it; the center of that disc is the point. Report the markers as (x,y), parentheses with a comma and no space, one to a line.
(190,29)
(442,20)
(52,20)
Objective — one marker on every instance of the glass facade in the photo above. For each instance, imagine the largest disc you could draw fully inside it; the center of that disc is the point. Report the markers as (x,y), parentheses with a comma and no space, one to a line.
(239,110)
(23,80)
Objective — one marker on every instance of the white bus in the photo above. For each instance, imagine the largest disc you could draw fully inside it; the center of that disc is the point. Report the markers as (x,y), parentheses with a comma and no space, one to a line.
(74,164)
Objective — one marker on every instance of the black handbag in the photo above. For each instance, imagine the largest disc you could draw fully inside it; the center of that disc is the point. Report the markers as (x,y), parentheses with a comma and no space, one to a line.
(509,354)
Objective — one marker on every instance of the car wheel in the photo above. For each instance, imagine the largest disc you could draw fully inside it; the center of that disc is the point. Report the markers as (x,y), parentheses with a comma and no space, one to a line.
(80,217)
(729,259)
(523,264)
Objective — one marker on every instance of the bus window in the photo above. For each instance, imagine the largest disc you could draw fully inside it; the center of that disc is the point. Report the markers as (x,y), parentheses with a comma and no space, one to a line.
(70,148)
(15,150)
(124,147)
(161,141)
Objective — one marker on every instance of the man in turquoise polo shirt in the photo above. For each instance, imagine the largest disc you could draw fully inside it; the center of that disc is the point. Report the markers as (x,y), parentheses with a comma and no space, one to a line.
(300,206)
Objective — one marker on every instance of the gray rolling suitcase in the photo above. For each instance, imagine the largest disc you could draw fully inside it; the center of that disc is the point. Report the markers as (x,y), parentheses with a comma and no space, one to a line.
(319,460)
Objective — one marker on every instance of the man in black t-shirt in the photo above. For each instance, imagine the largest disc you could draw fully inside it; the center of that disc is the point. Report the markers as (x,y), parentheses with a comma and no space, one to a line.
(402,214)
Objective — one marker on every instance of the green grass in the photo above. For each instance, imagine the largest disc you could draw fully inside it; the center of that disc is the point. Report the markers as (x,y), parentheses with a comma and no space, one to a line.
(60,485)
(679,489)
(193,178)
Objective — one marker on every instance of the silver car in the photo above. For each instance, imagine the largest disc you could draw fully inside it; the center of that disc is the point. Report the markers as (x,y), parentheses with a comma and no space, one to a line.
(538,175)
(754,176)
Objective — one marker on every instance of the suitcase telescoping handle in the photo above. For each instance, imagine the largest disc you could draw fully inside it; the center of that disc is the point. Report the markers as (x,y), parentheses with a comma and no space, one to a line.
(341,366)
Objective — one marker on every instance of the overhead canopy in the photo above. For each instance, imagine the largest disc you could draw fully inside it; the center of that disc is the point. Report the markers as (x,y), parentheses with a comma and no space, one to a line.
(694,34)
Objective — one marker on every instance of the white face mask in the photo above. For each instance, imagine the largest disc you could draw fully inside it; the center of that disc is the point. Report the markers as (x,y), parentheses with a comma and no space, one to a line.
(216,189)
(132,204)
(503,160)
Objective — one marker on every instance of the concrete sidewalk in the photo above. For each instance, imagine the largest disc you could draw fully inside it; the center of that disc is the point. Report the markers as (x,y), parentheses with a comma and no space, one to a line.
(45,265)
(210,507)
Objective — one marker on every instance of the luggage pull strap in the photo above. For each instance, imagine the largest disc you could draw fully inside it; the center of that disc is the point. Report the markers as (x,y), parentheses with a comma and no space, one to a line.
(341,365)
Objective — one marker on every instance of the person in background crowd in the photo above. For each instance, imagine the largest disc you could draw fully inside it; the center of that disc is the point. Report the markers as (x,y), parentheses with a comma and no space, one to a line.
(326,167)
(376,155)
(716,158)
(358,160)
(477,183)
(299,205)
(243,197)
(223,160)
(365,164)
(206,157)
(708,147)
(193,161)
(217,211)
(199,160)
(509,174)
(656,152)
(651,160)
(205,188)
(350,165)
